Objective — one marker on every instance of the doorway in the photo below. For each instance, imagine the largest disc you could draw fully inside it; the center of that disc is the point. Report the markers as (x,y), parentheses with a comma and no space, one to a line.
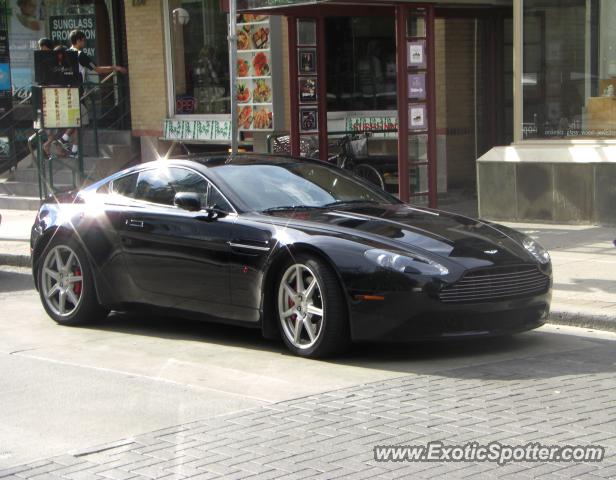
(474,97)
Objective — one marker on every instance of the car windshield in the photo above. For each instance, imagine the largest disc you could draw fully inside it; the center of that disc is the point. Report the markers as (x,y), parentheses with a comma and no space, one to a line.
(295,185)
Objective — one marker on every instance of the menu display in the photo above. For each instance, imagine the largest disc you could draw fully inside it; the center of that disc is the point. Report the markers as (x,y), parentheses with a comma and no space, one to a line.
(61,108)
(254,73)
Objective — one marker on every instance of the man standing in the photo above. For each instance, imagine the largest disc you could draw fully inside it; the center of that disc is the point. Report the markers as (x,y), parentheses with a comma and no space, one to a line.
(78,43)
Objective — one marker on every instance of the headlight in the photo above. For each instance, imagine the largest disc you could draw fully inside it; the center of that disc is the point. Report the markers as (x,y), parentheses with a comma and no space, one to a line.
(536,250)
(405,264)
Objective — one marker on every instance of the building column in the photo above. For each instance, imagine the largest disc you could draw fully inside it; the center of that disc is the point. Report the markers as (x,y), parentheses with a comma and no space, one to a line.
(518,44)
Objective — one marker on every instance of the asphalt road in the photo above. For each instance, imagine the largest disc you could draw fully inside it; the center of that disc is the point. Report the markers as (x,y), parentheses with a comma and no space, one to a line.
(67,389)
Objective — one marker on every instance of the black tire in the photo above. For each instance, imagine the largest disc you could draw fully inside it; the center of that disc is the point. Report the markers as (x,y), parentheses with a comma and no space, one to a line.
(88,309)
(334,335)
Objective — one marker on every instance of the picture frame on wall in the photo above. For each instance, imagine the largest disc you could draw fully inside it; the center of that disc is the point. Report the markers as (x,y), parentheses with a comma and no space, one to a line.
(417,85)
(306,31)
(307,89)
(416,54)
(418,116)
(307,61)
(308,119)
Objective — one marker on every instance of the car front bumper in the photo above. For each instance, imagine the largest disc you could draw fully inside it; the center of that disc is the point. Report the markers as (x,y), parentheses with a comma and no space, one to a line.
(403,317)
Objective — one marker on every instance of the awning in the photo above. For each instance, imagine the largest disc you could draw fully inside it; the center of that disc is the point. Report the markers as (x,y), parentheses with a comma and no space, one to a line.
(250,5)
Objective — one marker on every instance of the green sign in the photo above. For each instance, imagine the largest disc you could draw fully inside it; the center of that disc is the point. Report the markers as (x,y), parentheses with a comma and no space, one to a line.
(205,130)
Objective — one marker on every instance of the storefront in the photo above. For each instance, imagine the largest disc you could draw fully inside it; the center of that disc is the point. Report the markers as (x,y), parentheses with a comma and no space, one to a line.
(506,102)
(26,21)
(198,84)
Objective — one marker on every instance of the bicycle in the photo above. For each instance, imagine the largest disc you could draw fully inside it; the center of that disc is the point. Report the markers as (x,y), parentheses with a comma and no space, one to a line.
(353,156)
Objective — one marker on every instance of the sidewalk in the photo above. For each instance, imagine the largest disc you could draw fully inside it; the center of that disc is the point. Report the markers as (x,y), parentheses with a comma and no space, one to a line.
(15,237)
(583,256)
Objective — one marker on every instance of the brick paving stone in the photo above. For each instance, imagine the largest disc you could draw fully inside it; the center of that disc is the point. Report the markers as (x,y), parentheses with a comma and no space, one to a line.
(552,399)
(117,474)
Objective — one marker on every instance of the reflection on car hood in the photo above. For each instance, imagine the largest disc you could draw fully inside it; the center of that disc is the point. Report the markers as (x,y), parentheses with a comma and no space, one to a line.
(469,242)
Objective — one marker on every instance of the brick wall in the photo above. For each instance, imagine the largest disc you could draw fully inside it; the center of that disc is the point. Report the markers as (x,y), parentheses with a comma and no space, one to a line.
(146,63)
(458,105)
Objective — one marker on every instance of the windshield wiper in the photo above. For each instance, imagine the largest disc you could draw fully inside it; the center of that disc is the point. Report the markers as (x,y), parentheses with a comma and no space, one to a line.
(348,202)
(291,207)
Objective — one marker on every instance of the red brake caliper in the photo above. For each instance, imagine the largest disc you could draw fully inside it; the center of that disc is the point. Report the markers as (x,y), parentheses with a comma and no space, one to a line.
(77,286)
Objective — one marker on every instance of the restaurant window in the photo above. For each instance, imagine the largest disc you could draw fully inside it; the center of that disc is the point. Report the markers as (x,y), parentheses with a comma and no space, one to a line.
(200,56)
(361,63)
(569,73)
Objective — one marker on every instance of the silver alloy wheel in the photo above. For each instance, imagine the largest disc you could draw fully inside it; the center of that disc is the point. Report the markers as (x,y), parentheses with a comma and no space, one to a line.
(301,306)
(62,281)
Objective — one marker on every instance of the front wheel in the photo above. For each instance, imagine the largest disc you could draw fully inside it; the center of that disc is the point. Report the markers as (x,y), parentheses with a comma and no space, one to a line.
(311,308)
(66,286)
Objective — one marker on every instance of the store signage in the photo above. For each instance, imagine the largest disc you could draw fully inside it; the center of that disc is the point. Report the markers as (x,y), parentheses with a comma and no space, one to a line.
(180,130)
(60,28)
(372,123)
(254,90)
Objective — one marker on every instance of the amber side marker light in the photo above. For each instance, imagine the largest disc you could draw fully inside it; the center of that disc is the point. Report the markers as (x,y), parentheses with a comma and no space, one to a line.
(369,297)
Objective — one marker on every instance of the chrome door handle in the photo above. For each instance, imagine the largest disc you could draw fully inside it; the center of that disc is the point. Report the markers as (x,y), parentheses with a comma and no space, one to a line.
(134,223)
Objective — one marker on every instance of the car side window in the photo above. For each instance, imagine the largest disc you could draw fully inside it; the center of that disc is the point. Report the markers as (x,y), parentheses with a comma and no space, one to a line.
(216,200)
(161,184)
(125,185)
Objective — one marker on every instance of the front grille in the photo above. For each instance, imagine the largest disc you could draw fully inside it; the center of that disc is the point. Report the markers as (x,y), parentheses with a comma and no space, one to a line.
(496,283)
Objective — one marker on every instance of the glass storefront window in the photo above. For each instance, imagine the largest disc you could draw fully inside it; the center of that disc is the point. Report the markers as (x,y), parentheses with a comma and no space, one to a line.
(200,56)
(361,63)
(569,71)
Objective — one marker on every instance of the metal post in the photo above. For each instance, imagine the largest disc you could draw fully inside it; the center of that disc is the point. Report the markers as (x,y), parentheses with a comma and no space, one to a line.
(81,175)
(94,126)
(233,71)
(40,167)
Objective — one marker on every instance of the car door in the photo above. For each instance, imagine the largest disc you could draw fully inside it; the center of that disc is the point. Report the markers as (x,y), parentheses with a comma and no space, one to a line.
(177,258)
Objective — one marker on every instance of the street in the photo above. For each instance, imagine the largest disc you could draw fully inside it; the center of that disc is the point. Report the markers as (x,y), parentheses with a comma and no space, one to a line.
(222,401)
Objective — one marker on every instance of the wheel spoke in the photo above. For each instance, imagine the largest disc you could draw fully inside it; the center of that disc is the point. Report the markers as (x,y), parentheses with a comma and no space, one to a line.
(53,290)
(62,302)
(299,280)
(288,313)
(50,273)
(315,310)
(290,291)
(298,330)
(69,262)
(75,278)
(308,326)
(310,290)
(59,264)
(72,297)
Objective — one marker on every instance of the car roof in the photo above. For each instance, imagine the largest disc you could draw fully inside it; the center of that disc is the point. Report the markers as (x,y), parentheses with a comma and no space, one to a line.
(212,161)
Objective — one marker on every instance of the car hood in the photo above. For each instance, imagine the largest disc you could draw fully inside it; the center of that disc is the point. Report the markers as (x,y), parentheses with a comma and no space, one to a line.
(463,240)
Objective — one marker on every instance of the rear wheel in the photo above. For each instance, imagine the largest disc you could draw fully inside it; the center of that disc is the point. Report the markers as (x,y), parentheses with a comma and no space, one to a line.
(65,284)
(311,308)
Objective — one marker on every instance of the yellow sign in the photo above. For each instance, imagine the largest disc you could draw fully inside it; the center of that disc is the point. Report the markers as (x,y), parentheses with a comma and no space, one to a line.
(61,107)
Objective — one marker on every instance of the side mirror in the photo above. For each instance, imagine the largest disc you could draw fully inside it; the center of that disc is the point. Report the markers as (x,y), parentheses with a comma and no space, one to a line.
(188,201)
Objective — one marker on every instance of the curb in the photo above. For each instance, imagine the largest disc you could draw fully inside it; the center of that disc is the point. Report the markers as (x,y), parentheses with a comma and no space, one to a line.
(15,260)
(582,320)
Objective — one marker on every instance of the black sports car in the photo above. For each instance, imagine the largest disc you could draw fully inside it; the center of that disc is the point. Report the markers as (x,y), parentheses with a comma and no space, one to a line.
(297,248)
